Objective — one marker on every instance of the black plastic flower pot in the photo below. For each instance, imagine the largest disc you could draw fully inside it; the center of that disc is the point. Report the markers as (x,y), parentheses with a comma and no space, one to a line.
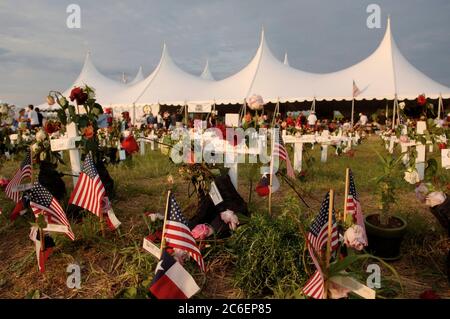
(385,242)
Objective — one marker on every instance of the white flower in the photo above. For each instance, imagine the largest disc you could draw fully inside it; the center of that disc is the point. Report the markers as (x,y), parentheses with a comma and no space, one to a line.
(412,176)
(355,237)
(41,136)
(126,133)
(435,198)
(4,109)
(402,105)
(91,94)
(155,216)
(230,218)
(35,148)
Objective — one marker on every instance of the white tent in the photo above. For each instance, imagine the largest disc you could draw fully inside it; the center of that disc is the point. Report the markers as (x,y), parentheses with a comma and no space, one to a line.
(139,77)
(286,60)
(90,76)
(383,75)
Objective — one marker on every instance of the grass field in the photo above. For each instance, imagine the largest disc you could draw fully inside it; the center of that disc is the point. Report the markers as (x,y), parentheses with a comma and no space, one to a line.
(117,266)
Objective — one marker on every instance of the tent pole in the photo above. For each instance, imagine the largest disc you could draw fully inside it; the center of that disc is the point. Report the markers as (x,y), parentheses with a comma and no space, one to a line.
(353,111)
(440,106)
(394,110)
(134,114)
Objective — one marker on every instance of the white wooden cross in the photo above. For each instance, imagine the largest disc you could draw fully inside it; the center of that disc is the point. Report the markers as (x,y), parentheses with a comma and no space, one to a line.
(69,144)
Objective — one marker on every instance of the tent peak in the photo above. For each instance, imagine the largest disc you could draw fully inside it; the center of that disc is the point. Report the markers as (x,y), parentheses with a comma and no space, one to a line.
(206,74)
(286,60)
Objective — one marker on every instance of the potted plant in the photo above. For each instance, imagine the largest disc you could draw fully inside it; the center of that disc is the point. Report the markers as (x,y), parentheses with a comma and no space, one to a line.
(385,231)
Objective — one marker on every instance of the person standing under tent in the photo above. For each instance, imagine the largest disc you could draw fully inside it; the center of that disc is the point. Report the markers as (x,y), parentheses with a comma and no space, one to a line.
(159,120)
(312,119)
(363,119)
(40,117)
(33,118)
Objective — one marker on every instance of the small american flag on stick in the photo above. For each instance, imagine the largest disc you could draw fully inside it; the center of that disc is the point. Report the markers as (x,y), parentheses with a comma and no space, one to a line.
(23,172)
(279,150)
(177,233)
(43,202)
(317,241)
(89,190)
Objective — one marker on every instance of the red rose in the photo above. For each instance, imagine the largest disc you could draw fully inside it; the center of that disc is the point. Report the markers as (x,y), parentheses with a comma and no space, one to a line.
(50,128)
(79,96)
(442,146)
(422,100)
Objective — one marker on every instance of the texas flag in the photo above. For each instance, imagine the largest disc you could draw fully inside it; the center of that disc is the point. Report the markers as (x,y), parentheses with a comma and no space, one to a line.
(172,281)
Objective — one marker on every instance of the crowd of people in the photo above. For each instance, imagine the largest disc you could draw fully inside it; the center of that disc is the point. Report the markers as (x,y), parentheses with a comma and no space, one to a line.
(30,118)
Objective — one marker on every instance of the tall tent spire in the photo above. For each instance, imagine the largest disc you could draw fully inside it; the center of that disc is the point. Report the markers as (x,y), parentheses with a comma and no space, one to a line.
(286,60)
(206,74)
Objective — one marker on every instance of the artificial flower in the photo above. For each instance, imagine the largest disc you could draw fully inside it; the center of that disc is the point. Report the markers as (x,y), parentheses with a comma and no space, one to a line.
(50,100)
(155,216)
(337,291)
(79,96)
(412,176)
(402,105)
(435,198)
(202,231)
(180,255)
(422,100)
(41,136)
(88,132)
(422,191)
(35,148)
(255,102)
(355,238)
(230,218)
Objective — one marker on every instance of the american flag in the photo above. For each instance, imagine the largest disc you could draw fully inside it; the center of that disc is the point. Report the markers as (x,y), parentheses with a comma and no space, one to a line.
(317,241)
(279,150)
(23,172)
(356,90)
(354,205)
(89,191)
(43,202)
(177,233)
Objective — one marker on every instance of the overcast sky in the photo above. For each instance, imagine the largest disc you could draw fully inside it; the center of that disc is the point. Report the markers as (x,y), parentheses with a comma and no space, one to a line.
(38,52)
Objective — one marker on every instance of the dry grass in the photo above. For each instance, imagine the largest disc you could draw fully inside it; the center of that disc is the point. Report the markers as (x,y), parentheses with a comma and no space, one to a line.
(117,262)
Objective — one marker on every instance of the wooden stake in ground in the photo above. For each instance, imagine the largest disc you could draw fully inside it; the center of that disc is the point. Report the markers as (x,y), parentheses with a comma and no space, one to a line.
(347,185)
(271,172)
(163,240)
(328,252)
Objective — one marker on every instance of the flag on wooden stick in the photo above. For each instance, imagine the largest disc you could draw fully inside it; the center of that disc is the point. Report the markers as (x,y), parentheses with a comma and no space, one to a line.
(279,150)
(43,203)
(24,171)
(177,233)
(317,242)
(89,190)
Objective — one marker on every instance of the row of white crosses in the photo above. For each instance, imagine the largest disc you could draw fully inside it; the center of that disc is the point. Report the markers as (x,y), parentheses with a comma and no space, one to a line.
(325,140)
(420,148)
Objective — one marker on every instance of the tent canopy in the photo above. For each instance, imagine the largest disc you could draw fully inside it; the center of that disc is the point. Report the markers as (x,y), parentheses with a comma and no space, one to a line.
(383,75)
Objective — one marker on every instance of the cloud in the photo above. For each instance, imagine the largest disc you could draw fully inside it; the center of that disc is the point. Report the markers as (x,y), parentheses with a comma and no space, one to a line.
(38,52)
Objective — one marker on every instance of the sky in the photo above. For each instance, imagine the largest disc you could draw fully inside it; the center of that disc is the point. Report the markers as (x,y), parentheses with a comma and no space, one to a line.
(39,53)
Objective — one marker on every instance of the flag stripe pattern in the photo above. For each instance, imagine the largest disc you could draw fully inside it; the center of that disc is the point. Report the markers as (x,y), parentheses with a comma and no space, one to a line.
(352,196)
(178,235)
(279,150)
(43,202)
(23,172)
(317,241)
(89,190)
